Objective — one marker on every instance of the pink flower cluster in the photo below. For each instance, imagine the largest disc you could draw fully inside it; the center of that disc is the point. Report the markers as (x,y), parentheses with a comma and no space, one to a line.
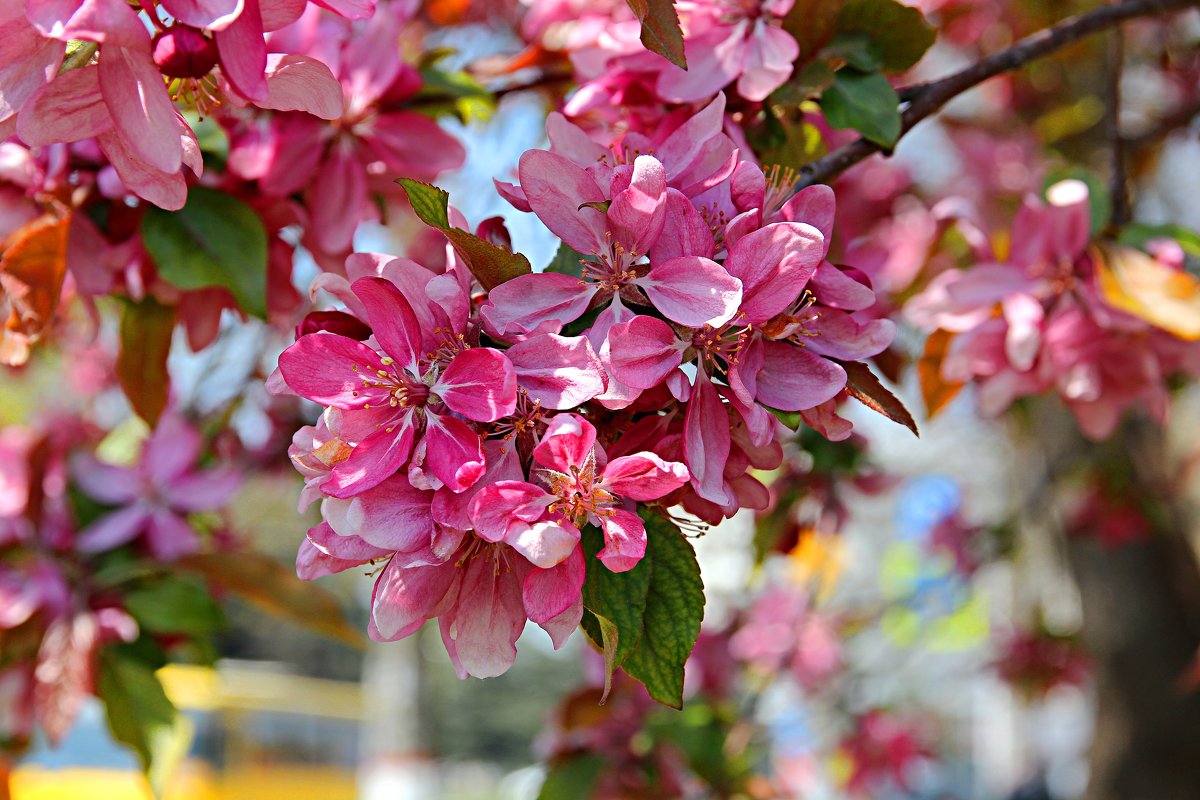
(468,436)
(55,613)
(1035,320)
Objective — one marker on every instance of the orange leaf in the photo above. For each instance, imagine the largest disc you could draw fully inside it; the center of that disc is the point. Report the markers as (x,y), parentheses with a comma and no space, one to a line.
(936,392)
(146,330)
(31,277)
(1150,290)
(865,387)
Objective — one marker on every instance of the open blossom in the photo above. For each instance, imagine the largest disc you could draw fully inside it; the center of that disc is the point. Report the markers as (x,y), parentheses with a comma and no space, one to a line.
(155,495)
(391,396)
(578,485)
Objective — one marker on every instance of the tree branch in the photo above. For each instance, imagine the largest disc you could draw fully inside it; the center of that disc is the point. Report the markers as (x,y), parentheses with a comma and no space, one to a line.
(1118,181)
(926,99)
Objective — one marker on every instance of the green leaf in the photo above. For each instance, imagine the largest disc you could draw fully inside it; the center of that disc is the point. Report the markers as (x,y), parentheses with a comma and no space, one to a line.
(214,240)
(660,29)
(866,103)
(490,264)
(1137,235)
(566,261)
(572,779)
(466,96)
(674,610)
(614,603)
(811,23)
(146,330)
(900,33)
(856,49)
(802,145)
(865,387)
(140,714)
(805,84)
(275,589)
(175,605)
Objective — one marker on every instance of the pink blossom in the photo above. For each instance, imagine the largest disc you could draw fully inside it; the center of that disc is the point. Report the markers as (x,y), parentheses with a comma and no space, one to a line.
(388,400)
(155,495)
(577,485)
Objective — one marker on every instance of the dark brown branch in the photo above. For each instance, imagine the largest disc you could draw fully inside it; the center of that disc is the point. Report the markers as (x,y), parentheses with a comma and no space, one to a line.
(926,99)
(1118,180)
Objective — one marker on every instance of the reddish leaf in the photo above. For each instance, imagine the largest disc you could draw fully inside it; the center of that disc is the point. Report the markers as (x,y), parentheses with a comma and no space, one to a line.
(864,387)
(811,23)
(32,268)
(660,29)
(275,589)
(63,676)
(936,392)
(146,329)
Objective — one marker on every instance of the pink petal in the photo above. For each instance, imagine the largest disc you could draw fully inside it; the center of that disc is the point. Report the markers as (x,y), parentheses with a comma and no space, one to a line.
(514,194)
(815,205)
(296,149)
(479,384)
(561,627)
(624,540)
(768,57)
(544,544)
(713,59)
(643,351)
(212,14)
(243,53)
(107,483)
(560,372)
(838,335)
(568,440)
(141,111)
(350,9)
(354,549)
(311,563)
(406,596)
(328,369)
(636,214)
(167,190)
(392,320)
(833,287)
(690,145)
(706,441)
(33,63)
(1024,315)
(454,452)
(522,304)
(684,233)
(774,263)
(794,378)
(568,139)
(171,449)
(556,190)
(393,516)
(644,476)
(488,619)
(203,491)
(374,460)
(170,536)
(550,591)
(337,199)
(414,145)
(277,14)
(299,83)
(112,530)
(693,291)
(67,109)
(108,22)
(507,502)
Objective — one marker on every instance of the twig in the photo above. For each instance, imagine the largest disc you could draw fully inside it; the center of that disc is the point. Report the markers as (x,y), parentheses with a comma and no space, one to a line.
(926,99)
(1118,182)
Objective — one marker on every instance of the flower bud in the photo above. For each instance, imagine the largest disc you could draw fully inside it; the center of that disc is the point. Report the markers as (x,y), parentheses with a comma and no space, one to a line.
(184,52)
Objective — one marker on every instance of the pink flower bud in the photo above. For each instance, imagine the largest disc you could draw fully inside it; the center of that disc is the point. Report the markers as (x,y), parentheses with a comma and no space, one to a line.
(184,52)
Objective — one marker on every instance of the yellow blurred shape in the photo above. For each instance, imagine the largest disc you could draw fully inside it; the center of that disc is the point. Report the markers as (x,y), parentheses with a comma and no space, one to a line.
(1137,284)
(204,689)
(192,782)
(818,559)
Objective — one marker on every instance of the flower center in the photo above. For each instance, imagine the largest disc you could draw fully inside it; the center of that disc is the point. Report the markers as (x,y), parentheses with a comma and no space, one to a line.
(578,492)
(398,388)
(725,342)
(612,268)
(792,324)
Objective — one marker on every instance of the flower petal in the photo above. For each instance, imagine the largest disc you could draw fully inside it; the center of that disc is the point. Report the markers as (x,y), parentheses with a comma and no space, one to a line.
(141,110)
(548,592)
(644,476)
(560,372)
(489,617)
(393,516)
(328,369)
(794,378)
(113,530)
(480,384)
(774,263)
(643,351)
(500,504)
(636,214)
(693,291)
(684,233)
(624,540)
(568,440)
(299,83)
(544,543)
(453,451)
(706,441)
(392,320)
(67,109)
(556,190)
(522,304)
(243,53)
(374,460)
(406,596)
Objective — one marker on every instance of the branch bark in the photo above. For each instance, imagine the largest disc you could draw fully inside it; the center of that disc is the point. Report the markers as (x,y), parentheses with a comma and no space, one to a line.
(926,99)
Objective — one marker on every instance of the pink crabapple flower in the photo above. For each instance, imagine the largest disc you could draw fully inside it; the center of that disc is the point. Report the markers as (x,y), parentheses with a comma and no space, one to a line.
(578,485)
(155,495)
(386,400)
